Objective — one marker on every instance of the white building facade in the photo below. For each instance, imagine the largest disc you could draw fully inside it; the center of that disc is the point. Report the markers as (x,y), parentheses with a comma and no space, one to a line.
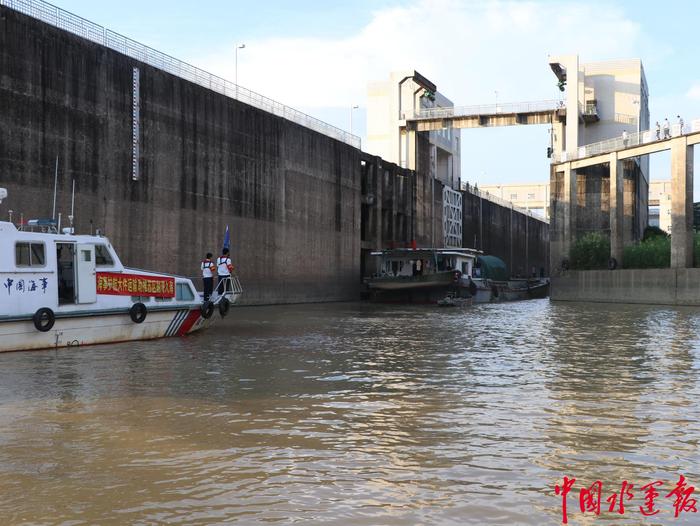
(389,103)
(603,100)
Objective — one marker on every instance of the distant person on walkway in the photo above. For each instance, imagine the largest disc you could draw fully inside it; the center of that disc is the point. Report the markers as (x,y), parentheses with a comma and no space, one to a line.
(658,131)
(625,138)
(208,269)
(667,129)
(680,125)
(224,267)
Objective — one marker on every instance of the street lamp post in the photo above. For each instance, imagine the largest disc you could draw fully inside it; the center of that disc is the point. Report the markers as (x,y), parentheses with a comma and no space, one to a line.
(352,108)
(238,46)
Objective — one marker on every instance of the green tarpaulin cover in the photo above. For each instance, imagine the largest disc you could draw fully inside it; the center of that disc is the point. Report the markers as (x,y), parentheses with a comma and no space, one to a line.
(493,268)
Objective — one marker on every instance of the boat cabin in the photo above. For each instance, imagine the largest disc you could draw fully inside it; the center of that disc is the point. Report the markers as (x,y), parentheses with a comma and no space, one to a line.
(40,268)
(405,262)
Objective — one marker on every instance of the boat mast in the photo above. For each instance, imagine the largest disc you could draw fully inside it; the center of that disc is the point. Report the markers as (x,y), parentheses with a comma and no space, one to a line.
(72,208)
(55,184)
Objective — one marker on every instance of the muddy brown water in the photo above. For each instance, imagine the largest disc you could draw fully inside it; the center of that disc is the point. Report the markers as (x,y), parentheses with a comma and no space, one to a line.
(358,414)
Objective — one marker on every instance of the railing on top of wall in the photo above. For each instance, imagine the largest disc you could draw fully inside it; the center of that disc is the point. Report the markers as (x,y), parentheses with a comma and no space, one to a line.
(81,27)
(466,187)
(631,139)
(488,109)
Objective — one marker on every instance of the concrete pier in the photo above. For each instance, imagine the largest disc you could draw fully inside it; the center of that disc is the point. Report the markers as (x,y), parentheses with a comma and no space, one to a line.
(627,196)
(681,203)
(617,209)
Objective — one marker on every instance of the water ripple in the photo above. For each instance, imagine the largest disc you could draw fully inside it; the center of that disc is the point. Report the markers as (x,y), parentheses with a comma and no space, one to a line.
(354,413)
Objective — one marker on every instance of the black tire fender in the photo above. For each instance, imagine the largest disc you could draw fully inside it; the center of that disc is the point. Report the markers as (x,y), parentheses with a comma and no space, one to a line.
(207,309)
(224,307)
(44,319)
(138,312)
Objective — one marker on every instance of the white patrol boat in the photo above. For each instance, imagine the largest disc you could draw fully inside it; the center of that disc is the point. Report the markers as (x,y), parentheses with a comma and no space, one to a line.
(63,290)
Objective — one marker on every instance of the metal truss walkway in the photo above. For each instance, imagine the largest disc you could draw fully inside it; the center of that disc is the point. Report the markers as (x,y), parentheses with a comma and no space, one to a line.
(507,114)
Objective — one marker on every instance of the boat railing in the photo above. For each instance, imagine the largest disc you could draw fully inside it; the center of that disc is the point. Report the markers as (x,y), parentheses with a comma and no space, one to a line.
(41,226)
(227,287)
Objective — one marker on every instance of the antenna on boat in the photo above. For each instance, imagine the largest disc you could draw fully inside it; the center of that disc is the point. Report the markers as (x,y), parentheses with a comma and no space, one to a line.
(72,208)
(55,184)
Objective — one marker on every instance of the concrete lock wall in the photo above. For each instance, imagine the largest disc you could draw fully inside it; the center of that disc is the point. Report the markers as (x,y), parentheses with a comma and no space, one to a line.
(388,208)
(304,209)
(290,195)
(522,241)
(649,286)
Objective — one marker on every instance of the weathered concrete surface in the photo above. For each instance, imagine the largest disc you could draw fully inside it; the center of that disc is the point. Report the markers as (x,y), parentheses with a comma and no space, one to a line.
(581,203)
(649,286)
(290,195)
(682,161)
(520,240)
(388,208)
(399,206)
(303,209)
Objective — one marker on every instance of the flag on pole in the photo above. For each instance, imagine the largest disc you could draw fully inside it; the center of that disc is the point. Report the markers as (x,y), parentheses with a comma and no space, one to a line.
(227,239)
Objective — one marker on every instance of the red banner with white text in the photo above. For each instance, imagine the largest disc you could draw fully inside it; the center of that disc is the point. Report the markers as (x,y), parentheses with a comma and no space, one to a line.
(119,284)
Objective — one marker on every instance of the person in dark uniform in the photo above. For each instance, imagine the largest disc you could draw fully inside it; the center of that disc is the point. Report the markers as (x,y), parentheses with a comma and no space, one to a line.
(224,267)
(208,268)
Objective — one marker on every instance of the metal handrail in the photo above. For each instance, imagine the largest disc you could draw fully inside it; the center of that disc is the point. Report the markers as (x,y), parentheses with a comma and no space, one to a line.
(489,109)
(466,187)
(81,27)
(631,139)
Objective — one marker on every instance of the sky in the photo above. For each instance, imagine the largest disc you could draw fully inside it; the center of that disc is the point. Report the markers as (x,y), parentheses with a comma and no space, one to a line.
(318,56)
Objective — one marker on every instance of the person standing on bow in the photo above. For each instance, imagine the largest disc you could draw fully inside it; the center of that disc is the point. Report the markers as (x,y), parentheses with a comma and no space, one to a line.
(208,268)
(224,267)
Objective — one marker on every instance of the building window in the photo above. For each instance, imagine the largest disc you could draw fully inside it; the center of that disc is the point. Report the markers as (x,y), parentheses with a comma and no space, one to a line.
(531,196)
(513,197)
(29,255)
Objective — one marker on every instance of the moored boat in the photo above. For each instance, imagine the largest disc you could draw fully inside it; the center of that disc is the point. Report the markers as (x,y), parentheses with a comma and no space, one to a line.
(421,275)
(447,277)
(62,290)
(493,283)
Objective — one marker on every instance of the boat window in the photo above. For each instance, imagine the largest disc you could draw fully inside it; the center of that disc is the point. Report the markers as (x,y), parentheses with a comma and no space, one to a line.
(183,292)
(440,263)
(102,256)
(29,255)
